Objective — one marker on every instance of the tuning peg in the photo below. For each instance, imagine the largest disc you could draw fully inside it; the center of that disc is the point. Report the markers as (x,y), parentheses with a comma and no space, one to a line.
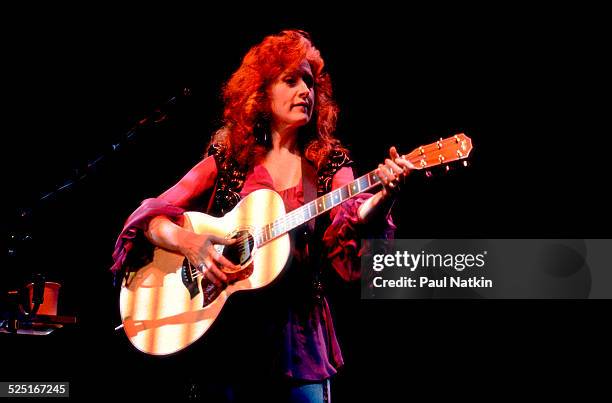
(447,168)
(428,174)
(465,163)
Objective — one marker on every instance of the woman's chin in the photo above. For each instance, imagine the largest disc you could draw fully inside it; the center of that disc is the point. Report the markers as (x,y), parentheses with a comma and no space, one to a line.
(302,121)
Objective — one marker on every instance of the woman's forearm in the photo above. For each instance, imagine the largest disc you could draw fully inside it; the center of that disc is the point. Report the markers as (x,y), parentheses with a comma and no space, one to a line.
(166,234)
(376,206)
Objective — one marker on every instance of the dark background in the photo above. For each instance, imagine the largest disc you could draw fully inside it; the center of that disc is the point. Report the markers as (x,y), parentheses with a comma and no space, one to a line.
(523,83)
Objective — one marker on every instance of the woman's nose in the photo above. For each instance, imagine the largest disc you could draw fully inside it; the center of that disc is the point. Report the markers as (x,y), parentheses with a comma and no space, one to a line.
(304,89)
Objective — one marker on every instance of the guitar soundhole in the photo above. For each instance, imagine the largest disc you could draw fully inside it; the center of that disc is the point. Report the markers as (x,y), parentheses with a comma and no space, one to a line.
(240,252)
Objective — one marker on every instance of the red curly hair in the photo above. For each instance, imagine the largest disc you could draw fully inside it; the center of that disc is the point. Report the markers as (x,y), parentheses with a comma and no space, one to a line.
(247,104)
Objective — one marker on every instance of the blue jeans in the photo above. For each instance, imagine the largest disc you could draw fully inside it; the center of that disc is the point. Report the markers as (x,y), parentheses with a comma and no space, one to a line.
(317,392)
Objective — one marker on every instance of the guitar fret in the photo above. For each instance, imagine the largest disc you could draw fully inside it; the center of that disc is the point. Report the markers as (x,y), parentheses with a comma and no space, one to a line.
(336,197)
(328,201)
(319,203)
(373,178)
(353,188)
(344,192)
(363,183)
(288,221)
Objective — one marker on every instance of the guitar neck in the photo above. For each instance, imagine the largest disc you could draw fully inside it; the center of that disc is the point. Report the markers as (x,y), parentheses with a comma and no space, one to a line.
(444,151)
(315,208)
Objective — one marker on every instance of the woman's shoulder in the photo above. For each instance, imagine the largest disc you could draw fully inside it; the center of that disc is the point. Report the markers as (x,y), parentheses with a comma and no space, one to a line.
(218,147)
(339,156)
(218,151)
(337,159)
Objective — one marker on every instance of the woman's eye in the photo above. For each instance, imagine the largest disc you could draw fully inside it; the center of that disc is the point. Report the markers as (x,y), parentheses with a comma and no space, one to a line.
(290,80)
(308,80)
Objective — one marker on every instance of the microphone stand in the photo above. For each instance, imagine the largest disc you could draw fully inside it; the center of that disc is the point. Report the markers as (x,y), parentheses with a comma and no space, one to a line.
(20,237)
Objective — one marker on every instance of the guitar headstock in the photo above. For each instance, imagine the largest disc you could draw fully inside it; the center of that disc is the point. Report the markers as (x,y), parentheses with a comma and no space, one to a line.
(443,151)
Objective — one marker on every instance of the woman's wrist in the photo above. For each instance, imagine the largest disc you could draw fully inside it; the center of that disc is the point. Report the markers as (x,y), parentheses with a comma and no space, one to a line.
(377,205)
(166,234)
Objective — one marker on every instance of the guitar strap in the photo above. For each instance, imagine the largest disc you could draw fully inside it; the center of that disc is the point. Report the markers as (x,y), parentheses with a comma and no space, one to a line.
(309,186)
(313,184)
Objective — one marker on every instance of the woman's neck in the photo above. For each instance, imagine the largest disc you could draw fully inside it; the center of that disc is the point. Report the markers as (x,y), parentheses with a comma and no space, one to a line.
(284,140)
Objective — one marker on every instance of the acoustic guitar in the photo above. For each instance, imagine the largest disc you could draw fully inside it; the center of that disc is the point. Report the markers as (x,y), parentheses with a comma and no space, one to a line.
(167,304)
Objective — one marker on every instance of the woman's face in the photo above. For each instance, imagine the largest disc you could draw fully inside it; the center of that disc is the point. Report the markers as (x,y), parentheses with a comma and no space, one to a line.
(292,97)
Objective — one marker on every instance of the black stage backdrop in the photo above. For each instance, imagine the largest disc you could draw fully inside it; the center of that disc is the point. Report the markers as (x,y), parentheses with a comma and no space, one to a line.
(520,82)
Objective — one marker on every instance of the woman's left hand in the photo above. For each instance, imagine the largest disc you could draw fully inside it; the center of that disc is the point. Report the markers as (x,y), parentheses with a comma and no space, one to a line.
(393,172)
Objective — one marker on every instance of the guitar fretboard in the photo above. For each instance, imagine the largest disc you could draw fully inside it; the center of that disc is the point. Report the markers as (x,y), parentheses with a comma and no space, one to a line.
(443,151)
(315,208)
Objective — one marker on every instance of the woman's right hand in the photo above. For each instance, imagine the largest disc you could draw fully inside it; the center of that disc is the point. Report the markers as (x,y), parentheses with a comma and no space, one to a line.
(199,250)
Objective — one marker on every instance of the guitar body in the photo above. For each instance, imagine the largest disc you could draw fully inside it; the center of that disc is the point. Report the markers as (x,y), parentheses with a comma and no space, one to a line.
(165,307)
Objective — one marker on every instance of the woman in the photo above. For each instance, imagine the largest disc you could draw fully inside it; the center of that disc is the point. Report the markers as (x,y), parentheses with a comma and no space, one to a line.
(279,121)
